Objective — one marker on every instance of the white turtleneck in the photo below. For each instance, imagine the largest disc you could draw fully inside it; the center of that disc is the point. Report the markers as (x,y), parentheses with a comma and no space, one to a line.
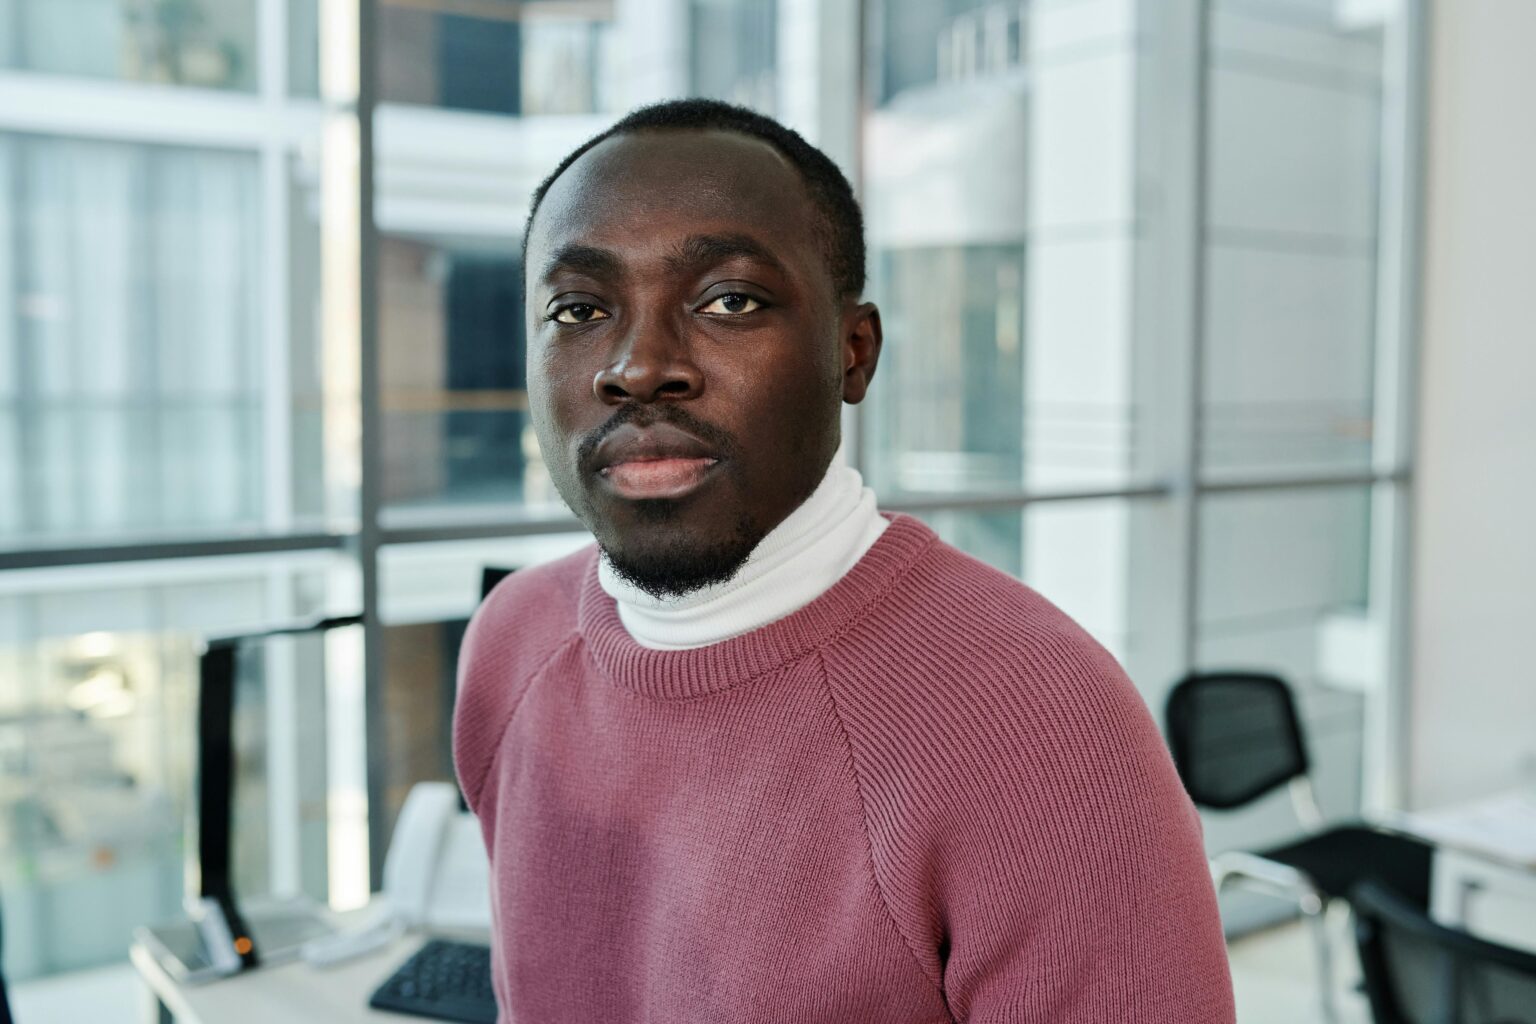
(792,566)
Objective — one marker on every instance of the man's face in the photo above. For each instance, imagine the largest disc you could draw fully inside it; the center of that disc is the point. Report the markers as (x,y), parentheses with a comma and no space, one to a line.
(687,350)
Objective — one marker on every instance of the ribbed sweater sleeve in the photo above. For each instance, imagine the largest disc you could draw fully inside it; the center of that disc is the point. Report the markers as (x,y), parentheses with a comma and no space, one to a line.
(1028,832)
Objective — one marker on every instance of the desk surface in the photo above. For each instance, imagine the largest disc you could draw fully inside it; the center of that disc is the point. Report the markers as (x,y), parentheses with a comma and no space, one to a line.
(293,992)
(1501,827)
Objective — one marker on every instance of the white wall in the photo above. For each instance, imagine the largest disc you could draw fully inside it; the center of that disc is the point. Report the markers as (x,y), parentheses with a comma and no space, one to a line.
(1473,725)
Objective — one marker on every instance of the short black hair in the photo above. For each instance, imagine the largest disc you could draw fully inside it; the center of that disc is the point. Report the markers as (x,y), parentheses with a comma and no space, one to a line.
(842,224)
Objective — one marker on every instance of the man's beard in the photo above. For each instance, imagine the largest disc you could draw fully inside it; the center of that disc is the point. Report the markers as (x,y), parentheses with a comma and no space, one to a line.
(680,565)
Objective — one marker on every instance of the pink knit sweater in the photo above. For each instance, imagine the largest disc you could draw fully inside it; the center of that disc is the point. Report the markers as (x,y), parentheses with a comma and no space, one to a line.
(926,796)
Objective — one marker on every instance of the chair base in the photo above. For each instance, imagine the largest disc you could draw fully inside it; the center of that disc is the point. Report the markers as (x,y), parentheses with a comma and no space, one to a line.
(1254,871)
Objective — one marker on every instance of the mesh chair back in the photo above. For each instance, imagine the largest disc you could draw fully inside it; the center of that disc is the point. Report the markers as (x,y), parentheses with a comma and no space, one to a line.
(1234,736)
(1419,972)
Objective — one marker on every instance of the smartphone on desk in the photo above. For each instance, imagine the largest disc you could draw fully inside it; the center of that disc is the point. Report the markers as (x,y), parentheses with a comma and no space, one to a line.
(195,950)
(180,949)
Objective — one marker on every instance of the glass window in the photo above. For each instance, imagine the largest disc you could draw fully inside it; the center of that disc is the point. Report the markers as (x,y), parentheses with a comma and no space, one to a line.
(954,323)
(98,700)
(210,44)
(97,767)
(421,663)
(138,394)
(304,47)
(1001,229)
(455,404)
(1294,166)
(132,339)
(920,44)
(1284,589)
(1276,568)
(733,47)
(503,57)
(440,581)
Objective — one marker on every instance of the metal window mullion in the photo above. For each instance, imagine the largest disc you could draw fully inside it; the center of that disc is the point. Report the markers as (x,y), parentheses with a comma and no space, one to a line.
(276,300)
(28,443)
(855,419)
(272,52)
(1401,245)
(46,558)
(985,502)
(370,530)
(1200,150)
(284,798)
(65,107)
(43,558)
(1169,280)
(152,315)
(284,772)
(1307,481)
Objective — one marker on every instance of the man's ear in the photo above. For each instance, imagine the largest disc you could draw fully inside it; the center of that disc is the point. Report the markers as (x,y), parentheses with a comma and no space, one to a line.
(862,338)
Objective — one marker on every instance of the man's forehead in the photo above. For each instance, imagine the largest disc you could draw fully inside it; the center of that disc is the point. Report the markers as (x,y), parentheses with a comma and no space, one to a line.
(632,188)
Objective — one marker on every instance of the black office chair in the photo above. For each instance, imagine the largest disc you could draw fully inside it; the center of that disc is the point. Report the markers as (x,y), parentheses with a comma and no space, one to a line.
(1235,737)
(490,576)
(1420,972)
(5,1001)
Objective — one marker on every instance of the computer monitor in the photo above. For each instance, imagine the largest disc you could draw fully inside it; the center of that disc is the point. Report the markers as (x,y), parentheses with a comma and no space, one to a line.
(489,577)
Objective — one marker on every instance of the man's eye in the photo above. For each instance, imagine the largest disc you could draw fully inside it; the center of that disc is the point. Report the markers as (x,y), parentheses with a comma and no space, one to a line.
(578,313)
(733,302)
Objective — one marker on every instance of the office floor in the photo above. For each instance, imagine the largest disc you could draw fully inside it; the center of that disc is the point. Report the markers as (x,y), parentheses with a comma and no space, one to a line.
(1272,973)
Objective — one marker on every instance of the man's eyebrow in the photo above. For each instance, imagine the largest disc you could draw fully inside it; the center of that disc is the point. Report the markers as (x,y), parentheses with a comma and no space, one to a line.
(583,259)
(697,251)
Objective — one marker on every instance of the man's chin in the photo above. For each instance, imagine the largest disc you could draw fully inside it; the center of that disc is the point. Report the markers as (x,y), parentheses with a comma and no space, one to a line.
(668,561)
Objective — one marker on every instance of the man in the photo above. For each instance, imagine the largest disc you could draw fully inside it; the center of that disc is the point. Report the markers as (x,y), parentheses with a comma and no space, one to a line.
(765,755)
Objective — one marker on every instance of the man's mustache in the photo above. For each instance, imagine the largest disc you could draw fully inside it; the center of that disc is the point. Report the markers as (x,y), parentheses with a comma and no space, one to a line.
(642,416)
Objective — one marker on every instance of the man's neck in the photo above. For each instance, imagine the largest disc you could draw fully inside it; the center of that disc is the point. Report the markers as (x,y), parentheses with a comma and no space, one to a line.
(798,561)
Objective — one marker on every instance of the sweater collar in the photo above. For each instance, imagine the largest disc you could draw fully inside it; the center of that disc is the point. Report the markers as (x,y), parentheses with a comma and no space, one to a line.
(698,672)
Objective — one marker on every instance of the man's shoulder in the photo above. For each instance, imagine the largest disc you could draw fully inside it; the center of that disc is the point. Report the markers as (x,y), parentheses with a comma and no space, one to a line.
(528,615)
(960,645)
(971,689)
(955,607)
(522,625)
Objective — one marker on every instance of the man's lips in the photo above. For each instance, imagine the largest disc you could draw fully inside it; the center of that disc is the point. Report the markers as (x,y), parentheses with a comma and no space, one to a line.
(659,461)
(656,478)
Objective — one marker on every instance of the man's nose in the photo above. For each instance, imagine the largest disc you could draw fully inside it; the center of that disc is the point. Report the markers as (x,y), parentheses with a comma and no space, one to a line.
(651,364)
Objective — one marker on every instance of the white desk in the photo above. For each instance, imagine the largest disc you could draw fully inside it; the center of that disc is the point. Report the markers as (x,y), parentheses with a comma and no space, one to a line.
(1484,875)
(291,992)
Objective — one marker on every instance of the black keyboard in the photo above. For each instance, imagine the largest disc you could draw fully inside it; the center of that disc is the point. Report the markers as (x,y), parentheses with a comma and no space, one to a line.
(444,980)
